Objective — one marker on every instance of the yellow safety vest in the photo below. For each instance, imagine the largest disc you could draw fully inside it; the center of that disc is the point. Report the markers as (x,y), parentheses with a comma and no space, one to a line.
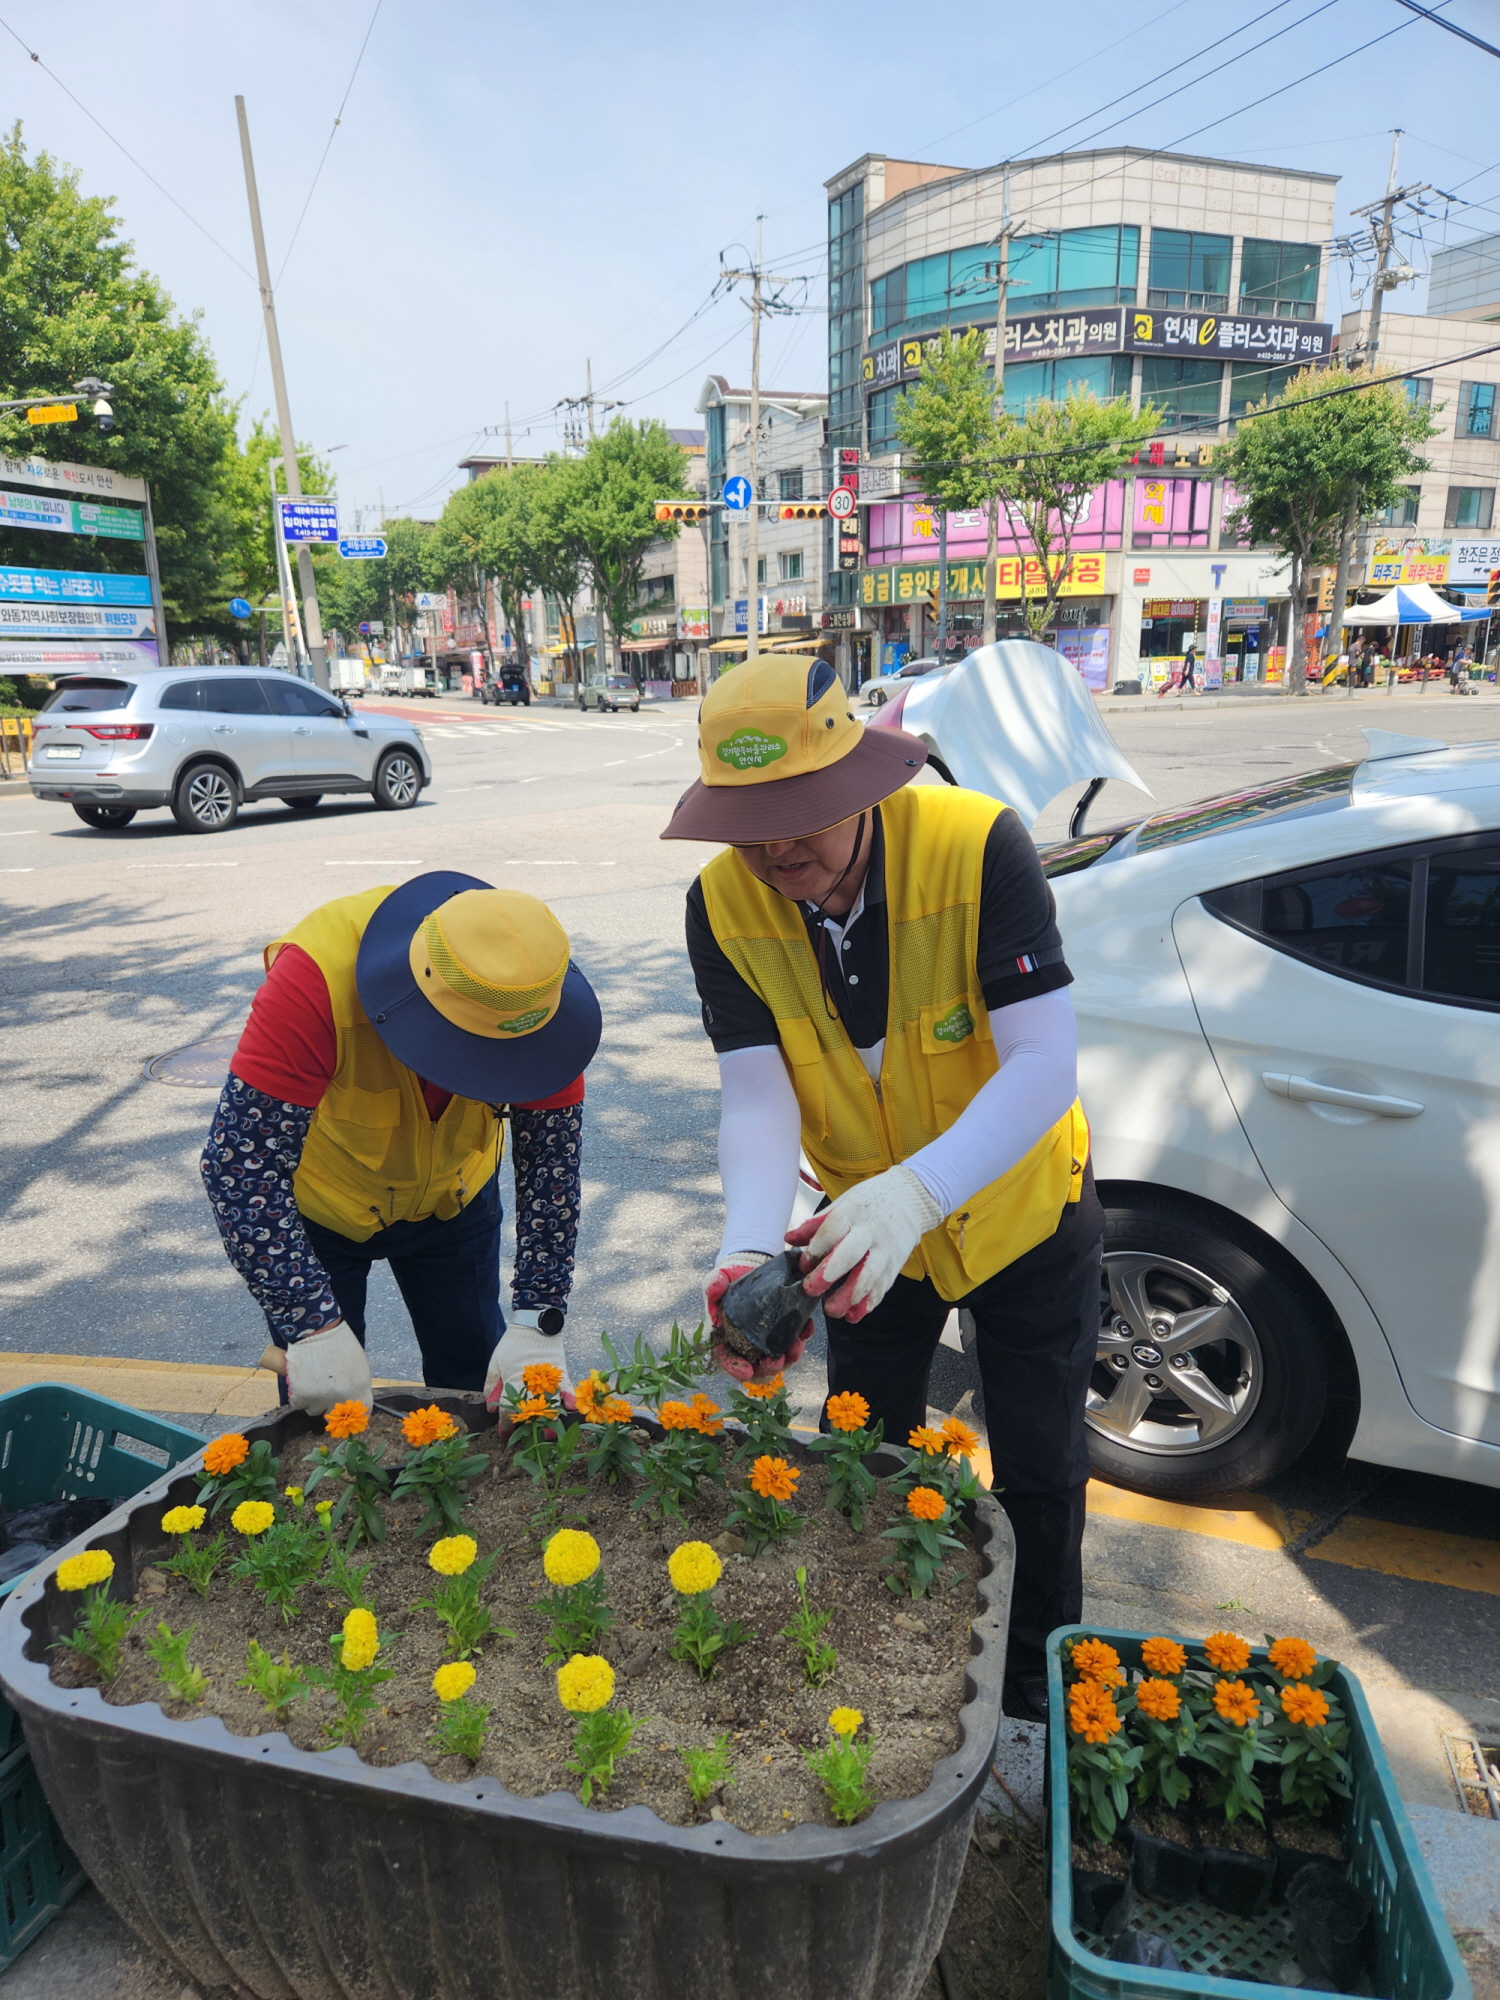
(373,1155)
(938,1045)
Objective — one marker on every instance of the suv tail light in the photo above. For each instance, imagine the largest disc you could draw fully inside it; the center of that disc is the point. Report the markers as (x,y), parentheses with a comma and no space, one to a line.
(115,732)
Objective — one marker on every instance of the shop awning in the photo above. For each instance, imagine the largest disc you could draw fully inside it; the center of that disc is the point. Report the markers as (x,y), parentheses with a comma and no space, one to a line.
(645,645)
(730,646)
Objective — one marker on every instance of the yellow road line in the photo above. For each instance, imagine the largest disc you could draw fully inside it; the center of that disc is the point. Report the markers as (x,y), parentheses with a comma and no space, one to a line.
(1253,1521)
(1423,1555)
(186,1386)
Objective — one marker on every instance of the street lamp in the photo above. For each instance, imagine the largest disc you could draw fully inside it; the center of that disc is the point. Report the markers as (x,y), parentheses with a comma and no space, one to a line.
(66,412)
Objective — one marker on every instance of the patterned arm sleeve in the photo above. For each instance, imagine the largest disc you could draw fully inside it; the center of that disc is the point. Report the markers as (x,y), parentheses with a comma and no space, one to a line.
(248,1164)
(548,1161)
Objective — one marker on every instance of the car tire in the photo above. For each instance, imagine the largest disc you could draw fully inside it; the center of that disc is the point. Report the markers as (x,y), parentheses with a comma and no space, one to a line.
(878,698)
(207,799)
(1229,1409)
(306,803)
(398,781)
(108,819)
(635,708)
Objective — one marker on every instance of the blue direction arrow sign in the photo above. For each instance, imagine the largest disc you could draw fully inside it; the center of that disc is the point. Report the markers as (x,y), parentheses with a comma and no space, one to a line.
(238,608)
(362,548)
(738,493)
(309,520)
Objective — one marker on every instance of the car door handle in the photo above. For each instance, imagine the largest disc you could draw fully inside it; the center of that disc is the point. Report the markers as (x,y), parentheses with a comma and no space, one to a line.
(223,729)
(1302,1090)
(302,730)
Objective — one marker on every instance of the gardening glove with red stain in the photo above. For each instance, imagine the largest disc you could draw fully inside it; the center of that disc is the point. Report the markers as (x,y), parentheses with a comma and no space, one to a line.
(527,1340)
(863,1239)
(735,1264)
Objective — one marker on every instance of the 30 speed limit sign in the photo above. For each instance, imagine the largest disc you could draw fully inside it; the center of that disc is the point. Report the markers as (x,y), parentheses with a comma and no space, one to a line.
(842,502)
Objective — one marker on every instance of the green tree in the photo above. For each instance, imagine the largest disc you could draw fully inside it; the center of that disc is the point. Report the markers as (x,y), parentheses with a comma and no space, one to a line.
(249,558)
(947,422)
(1300,461)
(353,593)
(608,510)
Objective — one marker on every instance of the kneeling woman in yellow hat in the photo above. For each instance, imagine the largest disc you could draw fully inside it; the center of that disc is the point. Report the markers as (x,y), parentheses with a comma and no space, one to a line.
(363,1120)
(882,979)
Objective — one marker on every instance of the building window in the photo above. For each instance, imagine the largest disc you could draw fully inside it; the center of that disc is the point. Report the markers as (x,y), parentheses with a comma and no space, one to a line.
(880,419)
(789,566)
(1279,278)
(1077,267)
(1186,393)
(760,569)
(1418,390)
(1250,384)
(846,316)
(1470,507)
(1476,410)
(790,483)
(1189,270)
(1106,375)
(1402,512)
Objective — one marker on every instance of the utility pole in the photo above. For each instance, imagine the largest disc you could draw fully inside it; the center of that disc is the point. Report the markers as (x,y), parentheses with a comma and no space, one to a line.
(509,455)
(291,625)
(316,647)
(587,403)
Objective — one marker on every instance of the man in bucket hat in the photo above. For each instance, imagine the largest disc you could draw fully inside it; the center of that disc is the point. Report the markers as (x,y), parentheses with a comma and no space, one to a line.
(363,1119)
(883,983)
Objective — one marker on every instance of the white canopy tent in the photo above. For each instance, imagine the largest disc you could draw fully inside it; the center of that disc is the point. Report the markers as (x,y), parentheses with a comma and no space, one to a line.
(1413,604)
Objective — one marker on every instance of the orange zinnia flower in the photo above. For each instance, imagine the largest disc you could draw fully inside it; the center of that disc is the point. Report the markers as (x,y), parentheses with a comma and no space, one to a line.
(1092,1713)
(849,1412)
(1309,1705)
(925,1439)
(587,1395)
(1158,1699)
(1236,1702)
(224,1453)
(614,1410)
(960,1440)
(347,1420)
(429,1426)
(542,1378)
(923,1504)
(1163,1656)
(1293,1658)
(1093,1660)
(675,1417)
(533,1406)
(1226,1652)
(764,1391)
(706,1416)
(773,1478)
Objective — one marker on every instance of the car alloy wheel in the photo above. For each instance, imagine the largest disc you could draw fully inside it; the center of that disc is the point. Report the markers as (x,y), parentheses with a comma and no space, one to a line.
(1179,1368)
(205,801)
(397,782)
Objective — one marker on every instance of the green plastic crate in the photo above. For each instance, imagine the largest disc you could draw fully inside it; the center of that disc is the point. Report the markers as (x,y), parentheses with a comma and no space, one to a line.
(1415,1957)
(59,1443)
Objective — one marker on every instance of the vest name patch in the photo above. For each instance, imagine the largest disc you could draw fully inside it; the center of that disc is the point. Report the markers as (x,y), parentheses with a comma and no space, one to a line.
(750,750)
(522,1024)
(956,1025)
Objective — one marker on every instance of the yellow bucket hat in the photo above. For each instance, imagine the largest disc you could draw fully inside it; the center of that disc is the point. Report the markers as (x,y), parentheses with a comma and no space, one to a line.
(491,961)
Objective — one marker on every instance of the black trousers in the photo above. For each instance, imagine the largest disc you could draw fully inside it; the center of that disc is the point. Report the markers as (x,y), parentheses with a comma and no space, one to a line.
(1037,1323)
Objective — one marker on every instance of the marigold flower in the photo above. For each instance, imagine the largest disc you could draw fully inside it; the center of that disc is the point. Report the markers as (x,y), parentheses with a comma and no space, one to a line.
(223,1454)
(452,1683)
(1309,1705)
(587,1395)
(694,1567)
(706,1416)
(849,1412)
(764,1391)
(1236,1702)
(926,1439)
(252,1517)
(347,1420)
(182,1520)
(675,1416)
(1093,1660)
(585,1683)
(533,1406)
(845,1721)
(570,1557)
(773,1479)
(961,1441)
(429,1426)
(361,1640)
(615,1410)
(923,1503)
(1092,1713)
(1163,1656)
(83,1572)
(542,1378)
(452,1555)
(1294,1659)
(323,1508)
(1226,1652)
(1158,1699)
(294,1494)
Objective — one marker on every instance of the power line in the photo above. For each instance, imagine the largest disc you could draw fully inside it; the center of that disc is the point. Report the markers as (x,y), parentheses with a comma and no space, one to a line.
(337,121)
(1452,26)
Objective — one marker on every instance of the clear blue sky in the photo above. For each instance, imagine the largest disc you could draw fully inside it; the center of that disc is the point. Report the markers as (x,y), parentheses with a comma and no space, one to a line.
(514,191)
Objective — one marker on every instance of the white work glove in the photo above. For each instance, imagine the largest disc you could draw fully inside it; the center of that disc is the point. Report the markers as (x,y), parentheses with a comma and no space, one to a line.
(734,1264)
(521,1344)
(864,1238)
(327,1368)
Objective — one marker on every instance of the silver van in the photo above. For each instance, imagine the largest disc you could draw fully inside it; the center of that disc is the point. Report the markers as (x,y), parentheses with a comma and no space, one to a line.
(204,741)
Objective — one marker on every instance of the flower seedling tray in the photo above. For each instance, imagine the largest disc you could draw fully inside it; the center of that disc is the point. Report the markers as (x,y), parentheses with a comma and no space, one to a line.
(1238,1958)
(310,1875)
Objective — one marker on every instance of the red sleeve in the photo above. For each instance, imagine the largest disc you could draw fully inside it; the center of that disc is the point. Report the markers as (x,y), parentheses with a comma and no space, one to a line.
(572,1095)
(289,1047)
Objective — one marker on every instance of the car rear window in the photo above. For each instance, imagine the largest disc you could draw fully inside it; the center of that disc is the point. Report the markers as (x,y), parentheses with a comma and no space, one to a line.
(619,681)
(88,694)
(183,694)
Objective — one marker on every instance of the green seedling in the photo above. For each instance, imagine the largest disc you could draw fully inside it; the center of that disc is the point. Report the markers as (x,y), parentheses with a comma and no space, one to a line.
(709,1771)
(601,1738)
(841,1768)
(278,1683)
(353,1690)
(169,1654)
(367,1487)
(702,1633)
(455,1602)
(280,1561)
(439,1475)
(578,1615)
(806,1630)
(100,1632)
(196,1564)
(461,1728)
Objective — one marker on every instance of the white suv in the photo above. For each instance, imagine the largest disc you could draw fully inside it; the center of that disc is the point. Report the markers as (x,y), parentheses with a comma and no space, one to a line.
(207,740)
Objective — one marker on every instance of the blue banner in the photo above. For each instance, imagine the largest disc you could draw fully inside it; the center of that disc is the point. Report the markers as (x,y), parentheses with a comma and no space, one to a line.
(73,586)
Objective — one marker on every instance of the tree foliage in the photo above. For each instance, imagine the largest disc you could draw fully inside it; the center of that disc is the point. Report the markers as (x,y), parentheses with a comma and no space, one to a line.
(946,421)
(606,511)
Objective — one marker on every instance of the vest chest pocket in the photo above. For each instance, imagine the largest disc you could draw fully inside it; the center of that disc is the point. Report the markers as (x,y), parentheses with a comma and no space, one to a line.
(804,1057)
(953,1057)
(362,1122)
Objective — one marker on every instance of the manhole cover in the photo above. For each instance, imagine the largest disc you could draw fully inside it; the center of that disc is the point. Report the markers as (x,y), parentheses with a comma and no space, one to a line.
(200,1066)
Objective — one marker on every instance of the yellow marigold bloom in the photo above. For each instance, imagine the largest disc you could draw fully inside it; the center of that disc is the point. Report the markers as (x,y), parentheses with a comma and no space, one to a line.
(83,1572)
(533,1406)
(924,1504)
(182,1520)
(252,1517)
(1092,1713)
(294,1494)
(675,1416)
(1236,1702)
(926,1439)
(542,1378)
(615,1410)
(452,1683)
(845,1721)
(1163,1656)
(347,1420)
(588,1394)
(323,1509)
(849,1412)
(1293,1658)
(570,1557)
(694,1567)
(1226,1652)
(961,1441)
(773,1479)
(429,1426)
(1309,1705)
(223,1454)
(361,1640)
(706,1415)
(1158,1699)
(1093,1660)
(764,1391)
(452,1555)
(585,1683)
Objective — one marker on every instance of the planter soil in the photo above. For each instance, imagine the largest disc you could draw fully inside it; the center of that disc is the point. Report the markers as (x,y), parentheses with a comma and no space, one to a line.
(1298,1841)
(1239,1869)
(1165,1859)
(1103,1895)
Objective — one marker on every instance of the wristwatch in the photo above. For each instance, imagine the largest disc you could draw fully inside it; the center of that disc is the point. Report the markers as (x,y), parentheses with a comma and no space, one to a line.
(550,1319)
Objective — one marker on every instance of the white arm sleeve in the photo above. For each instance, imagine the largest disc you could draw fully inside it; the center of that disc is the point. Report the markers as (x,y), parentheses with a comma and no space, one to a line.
(760,1149)
(1037,1043)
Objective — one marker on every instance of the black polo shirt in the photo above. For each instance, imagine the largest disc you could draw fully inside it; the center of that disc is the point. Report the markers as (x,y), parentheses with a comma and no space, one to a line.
(1019,952)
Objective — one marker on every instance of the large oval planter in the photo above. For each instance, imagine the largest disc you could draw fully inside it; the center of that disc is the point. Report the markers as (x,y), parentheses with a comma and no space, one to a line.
(304,1875)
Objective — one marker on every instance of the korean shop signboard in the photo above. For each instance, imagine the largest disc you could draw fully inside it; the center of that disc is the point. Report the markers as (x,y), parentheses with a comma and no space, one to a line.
(1226,336)
(913,583)
(1454,559)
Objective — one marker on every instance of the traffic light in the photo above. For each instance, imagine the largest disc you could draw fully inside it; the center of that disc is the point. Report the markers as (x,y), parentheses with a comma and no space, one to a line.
(802,510)
(1492,595)
(683,510)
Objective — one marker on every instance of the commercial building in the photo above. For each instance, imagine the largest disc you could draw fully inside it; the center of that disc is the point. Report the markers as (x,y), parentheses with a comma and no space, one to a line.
(1194,284)
(661,649)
